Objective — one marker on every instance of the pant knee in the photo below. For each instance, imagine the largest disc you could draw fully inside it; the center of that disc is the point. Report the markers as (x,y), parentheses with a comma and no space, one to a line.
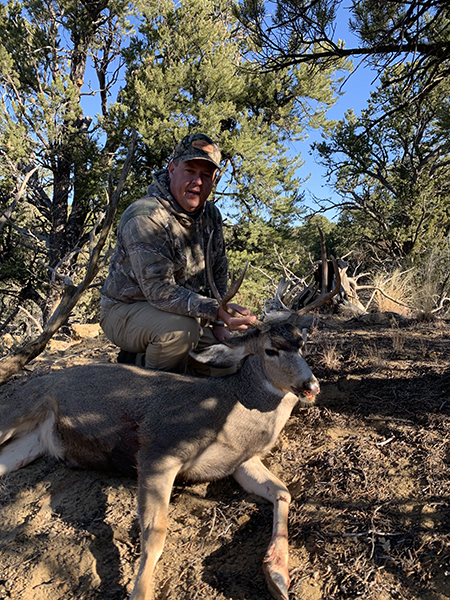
(164,338)
(170,350)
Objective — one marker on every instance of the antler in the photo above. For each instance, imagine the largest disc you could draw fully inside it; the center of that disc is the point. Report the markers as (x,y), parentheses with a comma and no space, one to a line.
(234,285)
(295,315)
(323,296)
(288,293)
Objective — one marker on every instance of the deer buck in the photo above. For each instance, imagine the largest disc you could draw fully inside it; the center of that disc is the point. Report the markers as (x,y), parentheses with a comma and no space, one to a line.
(162,425)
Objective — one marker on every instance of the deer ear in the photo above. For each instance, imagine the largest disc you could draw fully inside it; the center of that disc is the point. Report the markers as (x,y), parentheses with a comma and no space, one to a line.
(220,355)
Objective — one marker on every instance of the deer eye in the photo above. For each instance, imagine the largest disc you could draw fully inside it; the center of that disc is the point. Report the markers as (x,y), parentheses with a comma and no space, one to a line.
(271,352)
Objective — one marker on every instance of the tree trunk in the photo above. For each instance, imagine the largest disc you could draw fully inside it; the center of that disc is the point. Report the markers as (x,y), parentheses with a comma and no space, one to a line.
(12,364)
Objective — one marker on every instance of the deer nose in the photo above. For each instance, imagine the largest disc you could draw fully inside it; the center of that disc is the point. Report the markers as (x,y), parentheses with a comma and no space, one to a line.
(309,388)
(312,386)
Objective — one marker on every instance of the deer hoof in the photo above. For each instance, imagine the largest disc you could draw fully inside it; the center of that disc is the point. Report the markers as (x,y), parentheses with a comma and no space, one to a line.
(277,582)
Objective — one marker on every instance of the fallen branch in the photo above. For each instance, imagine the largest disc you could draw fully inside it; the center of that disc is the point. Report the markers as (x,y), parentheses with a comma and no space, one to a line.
(378,289)
(30,316)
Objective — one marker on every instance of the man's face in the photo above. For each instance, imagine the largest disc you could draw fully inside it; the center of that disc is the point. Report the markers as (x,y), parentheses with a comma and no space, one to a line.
(191,183)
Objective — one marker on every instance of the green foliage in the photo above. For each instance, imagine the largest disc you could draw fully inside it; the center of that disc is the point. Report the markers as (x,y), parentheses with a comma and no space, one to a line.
(191,69)
(393,176)
(274,249)
(44,51)
(289,32)
(334,243)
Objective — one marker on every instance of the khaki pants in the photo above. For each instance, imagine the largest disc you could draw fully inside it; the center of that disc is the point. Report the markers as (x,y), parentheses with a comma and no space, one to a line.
(163,338)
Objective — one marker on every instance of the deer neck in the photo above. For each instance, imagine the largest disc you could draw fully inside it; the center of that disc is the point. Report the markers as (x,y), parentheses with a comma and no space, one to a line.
(260,391)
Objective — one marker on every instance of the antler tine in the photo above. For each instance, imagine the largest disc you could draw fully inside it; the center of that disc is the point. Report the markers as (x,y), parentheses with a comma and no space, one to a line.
(324,297)
(209,273)
(234,285)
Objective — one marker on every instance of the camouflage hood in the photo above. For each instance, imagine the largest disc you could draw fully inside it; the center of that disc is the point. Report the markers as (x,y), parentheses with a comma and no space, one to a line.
(160,255)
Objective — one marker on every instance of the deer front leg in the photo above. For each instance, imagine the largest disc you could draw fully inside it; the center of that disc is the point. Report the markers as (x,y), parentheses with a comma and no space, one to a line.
(255,478)
(155,482)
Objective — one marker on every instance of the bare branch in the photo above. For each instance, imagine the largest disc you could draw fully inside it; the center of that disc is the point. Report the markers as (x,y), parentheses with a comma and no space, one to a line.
(30,316)
(12,364)
(6,215)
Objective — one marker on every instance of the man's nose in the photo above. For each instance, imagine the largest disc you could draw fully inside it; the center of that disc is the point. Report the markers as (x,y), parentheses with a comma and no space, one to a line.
(197,179)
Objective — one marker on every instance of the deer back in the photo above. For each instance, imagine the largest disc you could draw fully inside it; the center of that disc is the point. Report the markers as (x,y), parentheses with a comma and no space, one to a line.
(105,414)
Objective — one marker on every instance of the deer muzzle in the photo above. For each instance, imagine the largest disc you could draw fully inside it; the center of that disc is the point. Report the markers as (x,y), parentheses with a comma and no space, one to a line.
(309,390)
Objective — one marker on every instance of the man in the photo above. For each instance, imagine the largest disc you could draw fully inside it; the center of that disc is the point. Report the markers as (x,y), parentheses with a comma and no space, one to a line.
(156,301)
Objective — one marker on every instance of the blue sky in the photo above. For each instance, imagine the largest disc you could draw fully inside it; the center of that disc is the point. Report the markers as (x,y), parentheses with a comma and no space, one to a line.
(357,90)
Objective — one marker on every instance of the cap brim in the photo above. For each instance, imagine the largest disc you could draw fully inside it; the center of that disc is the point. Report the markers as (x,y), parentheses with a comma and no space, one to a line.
(186,158)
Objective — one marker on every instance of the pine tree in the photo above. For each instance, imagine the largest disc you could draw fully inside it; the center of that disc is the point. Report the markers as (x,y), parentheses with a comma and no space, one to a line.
(54,158)
(412,33)
(189,66)
(392,174)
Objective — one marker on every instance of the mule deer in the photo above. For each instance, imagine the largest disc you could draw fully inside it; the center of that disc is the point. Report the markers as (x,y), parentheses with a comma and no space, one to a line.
(161,425)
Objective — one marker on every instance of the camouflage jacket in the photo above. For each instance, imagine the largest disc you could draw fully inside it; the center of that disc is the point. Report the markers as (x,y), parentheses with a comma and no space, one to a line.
(160,255)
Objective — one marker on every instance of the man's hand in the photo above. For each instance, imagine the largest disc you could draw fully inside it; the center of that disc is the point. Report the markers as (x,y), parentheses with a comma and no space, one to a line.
(239,323)
(221,333)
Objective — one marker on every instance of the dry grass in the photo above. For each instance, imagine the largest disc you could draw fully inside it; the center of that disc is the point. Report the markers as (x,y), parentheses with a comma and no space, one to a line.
(375,356)
(423,290)
(398,340)
(398,288)
(330,356)
(429,291)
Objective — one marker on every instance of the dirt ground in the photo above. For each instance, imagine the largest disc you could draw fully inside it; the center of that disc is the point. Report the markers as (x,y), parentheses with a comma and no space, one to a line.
(368,468)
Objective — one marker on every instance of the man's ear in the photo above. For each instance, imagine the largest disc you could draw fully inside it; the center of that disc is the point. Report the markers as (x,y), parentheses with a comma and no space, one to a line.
(220,355)
(171,167)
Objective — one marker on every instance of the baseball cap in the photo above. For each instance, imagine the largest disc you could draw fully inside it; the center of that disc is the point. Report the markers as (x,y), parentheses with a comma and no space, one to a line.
(197,146)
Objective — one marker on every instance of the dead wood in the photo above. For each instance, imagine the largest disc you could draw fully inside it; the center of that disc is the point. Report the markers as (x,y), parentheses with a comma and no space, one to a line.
(10,365)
